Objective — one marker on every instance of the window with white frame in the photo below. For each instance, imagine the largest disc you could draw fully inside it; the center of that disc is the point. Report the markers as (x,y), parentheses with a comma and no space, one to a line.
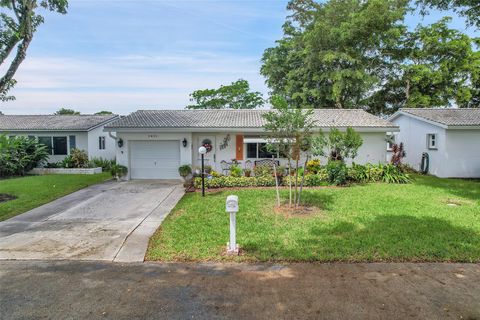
(432,141)
(256,150)
(390,141)
(55,145)
(101,143)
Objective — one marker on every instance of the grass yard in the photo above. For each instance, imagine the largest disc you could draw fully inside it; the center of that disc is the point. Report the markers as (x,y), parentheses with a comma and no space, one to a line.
(33,191)
(431,219)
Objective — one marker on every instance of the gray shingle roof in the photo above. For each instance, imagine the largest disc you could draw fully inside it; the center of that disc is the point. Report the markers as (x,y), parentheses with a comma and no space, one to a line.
(52,122)
(240,119)
(449,117)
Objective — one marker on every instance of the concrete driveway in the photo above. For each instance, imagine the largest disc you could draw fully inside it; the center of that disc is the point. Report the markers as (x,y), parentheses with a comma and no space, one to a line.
(111,221)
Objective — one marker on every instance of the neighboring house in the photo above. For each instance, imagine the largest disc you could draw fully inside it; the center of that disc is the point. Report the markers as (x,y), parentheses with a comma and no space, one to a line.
(61,133)
(450,137)
(154,143)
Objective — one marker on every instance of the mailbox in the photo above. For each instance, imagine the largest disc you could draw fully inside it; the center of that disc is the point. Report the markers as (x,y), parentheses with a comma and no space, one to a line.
(232,203)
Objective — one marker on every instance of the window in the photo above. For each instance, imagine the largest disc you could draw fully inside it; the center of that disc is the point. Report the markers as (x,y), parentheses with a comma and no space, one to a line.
(55,145)
(101,143)
(432,141)
(251,150)
(259,150)
(390,141)
(46,141)
(73,142)
(60,146)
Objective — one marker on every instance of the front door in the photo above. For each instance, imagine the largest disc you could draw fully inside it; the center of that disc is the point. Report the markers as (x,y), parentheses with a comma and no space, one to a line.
(210,157)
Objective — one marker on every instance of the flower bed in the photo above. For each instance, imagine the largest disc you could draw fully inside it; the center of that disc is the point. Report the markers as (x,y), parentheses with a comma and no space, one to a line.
(228,181)
(323,176)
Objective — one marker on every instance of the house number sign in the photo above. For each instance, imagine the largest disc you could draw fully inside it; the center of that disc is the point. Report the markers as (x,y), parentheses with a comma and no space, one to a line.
(152,136)
(225,142)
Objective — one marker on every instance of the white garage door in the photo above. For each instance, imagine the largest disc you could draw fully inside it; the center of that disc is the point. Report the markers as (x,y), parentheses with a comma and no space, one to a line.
(154,159)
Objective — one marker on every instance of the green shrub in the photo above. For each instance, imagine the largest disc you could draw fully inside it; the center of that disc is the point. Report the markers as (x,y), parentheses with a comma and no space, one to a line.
(20,154)
(67,162)
(79,158)
(235,171)
(392,174)
(185,170)
(105,164)
(313,166)
(311,180)
(262,170)
(117,171)
(229,181)
(373,173)
(337,172)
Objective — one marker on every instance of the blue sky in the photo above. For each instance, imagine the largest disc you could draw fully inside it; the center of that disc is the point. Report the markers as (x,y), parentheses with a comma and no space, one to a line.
(124,55)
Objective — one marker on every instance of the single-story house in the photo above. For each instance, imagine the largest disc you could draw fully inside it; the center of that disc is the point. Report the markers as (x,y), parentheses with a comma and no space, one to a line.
(152,144)
(447,139)
(61,133)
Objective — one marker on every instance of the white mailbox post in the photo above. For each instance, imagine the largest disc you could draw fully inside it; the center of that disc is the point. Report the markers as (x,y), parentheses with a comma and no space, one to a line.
(232,208)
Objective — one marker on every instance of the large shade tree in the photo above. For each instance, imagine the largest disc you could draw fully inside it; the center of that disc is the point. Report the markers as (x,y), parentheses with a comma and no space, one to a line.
(353,53)
(333,53)
(237,95)
(19,20)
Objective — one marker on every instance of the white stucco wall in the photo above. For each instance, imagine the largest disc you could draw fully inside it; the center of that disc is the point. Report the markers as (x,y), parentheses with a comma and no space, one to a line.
(373,149)
(94,152)
(462,153)
(457,153)
(123,156)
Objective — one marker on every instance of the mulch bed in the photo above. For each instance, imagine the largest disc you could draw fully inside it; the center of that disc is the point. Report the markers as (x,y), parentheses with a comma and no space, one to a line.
(300,211)
(4,197)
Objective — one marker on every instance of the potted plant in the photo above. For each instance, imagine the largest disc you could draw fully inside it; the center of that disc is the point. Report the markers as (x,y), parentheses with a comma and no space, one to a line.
(247,172)
(118,171)
(185,171)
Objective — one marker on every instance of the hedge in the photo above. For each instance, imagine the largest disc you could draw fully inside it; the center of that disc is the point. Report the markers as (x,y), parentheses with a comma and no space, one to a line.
(228,181)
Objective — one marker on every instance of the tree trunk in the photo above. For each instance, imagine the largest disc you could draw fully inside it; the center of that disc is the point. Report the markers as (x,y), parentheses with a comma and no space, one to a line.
(301,183)
(296,180)
(6,80)
(276,183)
(290,182)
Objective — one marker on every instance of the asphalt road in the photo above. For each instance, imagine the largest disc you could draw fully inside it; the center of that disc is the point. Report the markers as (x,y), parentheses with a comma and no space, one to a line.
(103,290)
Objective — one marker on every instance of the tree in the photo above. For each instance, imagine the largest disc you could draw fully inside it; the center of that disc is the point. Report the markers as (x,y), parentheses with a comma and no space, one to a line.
(237,95)
(64,111)
(360,54)
(338,146)
(102,113)
(1,113)
(439,68)
(17,26)
(470,9)
(289,132)
(334,54)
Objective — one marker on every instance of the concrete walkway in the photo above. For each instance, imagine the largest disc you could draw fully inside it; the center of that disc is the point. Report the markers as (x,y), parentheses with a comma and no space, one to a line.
(111,221)
(99,290)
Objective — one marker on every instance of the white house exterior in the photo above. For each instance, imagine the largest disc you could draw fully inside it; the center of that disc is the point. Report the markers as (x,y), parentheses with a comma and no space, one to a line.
(154,143)
(61,133)
(450,137)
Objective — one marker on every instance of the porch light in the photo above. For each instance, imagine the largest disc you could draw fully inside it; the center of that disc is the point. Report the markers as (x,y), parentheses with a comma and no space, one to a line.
(120,143)
(184,142)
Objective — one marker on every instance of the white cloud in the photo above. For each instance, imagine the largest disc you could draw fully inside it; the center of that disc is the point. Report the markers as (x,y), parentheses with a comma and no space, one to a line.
(125,83)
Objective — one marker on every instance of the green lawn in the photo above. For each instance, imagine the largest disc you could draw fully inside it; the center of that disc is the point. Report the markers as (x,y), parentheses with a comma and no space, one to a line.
(373,222)
(33,191)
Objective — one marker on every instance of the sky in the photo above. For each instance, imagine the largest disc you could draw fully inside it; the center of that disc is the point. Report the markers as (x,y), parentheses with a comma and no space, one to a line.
(125,55)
